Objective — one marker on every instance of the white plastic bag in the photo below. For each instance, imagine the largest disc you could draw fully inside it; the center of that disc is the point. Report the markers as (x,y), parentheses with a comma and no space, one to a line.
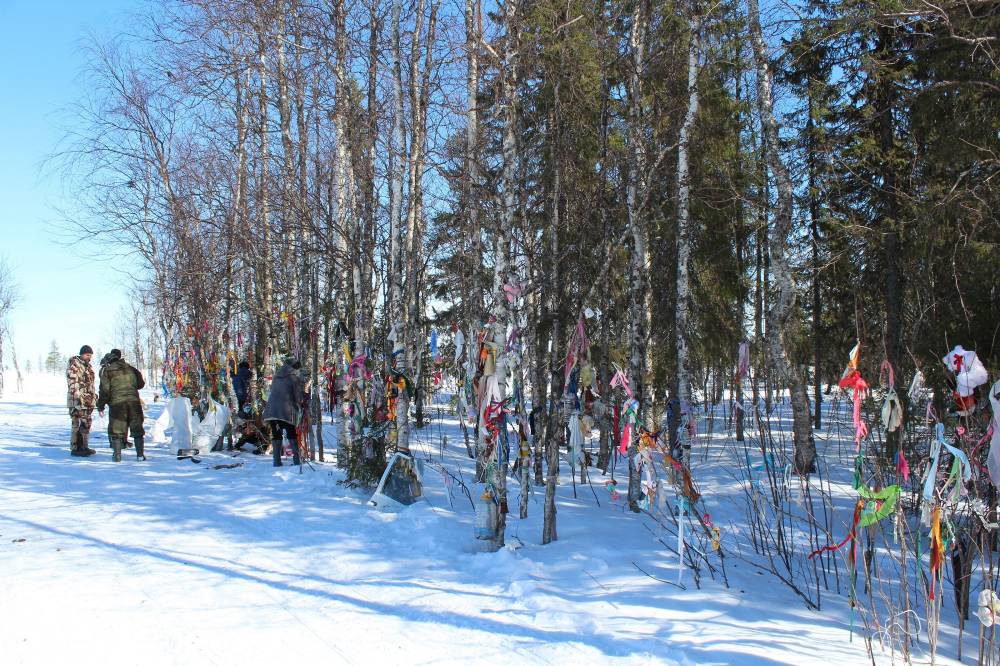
(180,420)
(212,426)
(158,433)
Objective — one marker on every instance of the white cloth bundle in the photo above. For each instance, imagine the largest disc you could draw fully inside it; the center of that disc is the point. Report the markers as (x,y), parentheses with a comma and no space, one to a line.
(969,370)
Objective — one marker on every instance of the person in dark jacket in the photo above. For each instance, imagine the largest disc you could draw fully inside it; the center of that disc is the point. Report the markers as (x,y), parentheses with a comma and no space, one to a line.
(284,405)
(120,385)
(241,387)
(125,444)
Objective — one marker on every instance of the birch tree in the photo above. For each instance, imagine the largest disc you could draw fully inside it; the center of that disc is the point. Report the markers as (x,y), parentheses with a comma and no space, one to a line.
(682,323)
(781,315)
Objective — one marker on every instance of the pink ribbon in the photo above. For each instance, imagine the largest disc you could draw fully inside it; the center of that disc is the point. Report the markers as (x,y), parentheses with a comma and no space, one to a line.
(902,467)
(855,381)
(577,345)
(358,363)
(892,375)
(620,380)
(512,290)
(743,365)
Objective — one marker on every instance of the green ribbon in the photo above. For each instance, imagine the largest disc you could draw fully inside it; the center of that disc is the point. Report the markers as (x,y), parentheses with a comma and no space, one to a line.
(887,496)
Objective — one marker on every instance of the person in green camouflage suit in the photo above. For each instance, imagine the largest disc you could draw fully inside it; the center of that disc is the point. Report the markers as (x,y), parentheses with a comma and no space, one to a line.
(120,385)
(80,399)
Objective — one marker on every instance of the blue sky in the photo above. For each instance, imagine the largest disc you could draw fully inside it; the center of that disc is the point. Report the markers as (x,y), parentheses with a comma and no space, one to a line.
(67,294)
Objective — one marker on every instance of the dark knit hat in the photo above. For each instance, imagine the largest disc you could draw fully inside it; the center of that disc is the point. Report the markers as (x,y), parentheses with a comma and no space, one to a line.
(114,354)
(86,350)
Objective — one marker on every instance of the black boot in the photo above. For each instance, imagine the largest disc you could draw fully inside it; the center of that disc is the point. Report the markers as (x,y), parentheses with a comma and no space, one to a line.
(140,448)
(116,444)
(276,451)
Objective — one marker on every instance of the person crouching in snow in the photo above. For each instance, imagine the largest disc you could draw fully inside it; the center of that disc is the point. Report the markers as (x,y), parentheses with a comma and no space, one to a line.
(120,384)
(80,399)
(282,409)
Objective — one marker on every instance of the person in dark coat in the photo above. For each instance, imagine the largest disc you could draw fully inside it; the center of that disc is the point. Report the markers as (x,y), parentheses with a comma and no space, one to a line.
(120,385)
(283,409)
(241,387)
(111,438)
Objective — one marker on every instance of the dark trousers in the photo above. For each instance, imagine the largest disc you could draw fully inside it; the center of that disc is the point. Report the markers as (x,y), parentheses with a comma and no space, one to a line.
(277,428)
(126,418)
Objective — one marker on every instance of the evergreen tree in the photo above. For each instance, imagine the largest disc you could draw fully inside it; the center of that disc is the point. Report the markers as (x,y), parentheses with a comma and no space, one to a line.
(55,361)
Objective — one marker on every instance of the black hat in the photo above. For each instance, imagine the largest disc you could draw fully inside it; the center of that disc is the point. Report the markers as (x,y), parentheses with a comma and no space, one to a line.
(115,354)
(86,350)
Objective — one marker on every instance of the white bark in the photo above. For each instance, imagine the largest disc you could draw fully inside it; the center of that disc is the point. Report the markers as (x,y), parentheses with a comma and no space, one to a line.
(472,37)
(637,278)
(396,159)
(503,271)
(684,231)
(780,316)
(409,306)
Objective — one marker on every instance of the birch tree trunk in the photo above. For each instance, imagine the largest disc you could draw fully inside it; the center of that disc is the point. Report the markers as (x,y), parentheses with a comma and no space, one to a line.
(263,206)
(410,306)
(472,176)
(503,272)
(555,428)
(396,158)
(347,219)
(814,223)
(637,266)
(682,323)
(287,160)
(780,316)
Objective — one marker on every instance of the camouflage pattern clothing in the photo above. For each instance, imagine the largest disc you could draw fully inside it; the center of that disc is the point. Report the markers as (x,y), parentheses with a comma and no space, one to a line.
(80,394)
(80,400)
(120,384)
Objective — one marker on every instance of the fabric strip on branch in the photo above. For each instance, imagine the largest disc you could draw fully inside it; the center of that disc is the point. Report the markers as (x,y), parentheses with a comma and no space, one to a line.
(358,368)
(858,508)
(902,467)
(852,379)
(575,439)
(993,457)
(878,505)
(937,548)
(743,361)
(459,344)
(620,380)
(630,417)
(892,408)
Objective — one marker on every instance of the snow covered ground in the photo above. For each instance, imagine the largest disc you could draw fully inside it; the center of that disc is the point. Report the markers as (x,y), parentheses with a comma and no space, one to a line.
(171,562)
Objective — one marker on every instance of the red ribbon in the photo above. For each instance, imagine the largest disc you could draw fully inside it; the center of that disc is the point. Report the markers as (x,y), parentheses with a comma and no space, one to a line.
(850,536)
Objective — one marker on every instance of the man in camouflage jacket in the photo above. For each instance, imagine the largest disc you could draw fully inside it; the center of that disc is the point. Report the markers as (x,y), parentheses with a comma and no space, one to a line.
(120,385)
(81,400)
